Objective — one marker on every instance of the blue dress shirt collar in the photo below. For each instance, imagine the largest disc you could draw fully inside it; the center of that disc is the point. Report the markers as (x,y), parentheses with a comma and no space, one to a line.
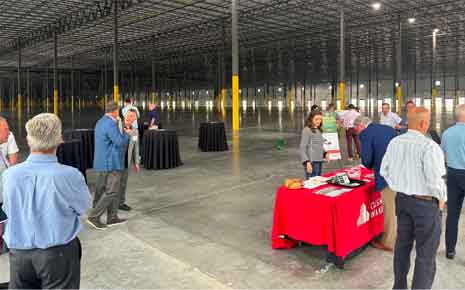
(33,157)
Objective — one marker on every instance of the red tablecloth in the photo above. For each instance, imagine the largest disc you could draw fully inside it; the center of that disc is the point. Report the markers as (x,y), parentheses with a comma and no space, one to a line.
(343,223)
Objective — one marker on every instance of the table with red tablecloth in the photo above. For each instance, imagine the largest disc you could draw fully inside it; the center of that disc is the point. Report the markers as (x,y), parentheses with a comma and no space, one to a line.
(343,223)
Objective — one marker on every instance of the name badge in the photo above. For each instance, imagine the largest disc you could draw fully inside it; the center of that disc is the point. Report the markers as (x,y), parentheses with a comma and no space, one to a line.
(134,138)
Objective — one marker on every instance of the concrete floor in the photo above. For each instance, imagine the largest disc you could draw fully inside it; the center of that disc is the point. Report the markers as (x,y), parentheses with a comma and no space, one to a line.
(207,224)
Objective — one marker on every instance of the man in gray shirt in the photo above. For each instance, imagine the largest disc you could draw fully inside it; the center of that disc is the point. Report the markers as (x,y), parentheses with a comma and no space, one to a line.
(132,158)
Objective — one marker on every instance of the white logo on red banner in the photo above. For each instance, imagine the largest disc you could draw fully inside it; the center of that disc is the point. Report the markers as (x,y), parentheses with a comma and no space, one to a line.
(376,209)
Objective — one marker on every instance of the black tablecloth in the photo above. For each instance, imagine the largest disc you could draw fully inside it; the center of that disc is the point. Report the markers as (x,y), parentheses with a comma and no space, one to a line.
(212,137)
(160,149)
(87,138)
(70,153)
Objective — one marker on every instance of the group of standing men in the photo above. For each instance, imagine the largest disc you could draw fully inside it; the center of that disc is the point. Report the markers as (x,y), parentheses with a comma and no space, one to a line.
(45,251)
(409,171)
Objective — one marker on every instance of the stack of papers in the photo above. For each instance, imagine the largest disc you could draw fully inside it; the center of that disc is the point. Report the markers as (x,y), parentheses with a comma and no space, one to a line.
(333,191)
(314,182)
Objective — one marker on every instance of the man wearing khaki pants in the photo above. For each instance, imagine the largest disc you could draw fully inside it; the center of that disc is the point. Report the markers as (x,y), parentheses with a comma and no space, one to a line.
(374,140)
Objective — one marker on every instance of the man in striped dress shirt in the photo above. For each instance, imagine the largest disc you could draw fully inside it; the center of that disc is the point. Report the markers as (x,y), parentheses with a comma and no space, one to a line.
(413,166)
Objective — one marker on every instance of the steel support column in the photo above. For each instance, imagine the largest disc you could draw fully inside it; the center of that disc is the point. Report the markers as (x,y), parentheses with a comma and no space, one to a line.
(342,60)
(55,74)
(20,104)
(235,66)
(115,52)
(434,88)
(400,83)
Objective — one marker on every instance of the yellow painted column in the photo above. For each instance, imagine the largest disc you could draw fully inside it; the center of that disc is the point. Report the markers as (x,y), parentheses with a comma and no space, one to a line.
(342,90)
(115,95)
(289,99)
(153,97)
(434,94)
(20,102)
(55,102)
(235,103)
(223,98)
(399,99)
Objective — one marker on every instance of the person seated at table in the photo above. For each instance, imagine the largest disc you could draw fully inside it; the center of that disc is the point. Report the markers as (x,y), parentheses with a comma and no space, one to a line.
(374,139)
(131,158)
(154,117)
(8,147)
(311,145)
(128,105)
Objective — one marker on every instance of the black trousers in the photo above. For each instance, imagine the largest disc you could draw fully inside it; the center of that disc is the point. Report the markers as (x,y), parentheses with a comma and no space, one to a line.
(455,196)
(420,221)
(53,268)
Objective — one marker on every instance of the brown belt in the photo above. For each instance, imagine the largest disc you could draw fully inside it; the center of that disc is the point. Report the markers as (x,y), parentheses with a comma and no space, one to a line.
(430,198)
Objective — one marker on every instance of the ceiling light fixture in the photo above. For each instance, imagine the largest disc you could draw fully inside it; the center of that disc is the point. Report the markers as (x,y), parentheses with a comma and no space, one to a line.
(376,6)
(411,20)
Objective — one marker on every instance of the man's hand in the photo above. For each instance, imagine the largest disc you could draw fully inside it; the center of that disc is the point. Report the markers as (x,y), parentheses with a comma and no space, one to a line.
(442,205)
(309,167)
(128,131)
(136,168)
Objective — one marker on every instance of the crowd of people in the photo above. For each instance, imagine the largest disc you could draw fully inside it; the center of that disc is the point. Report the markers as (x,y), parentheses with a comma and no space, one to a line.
(408,163)
(411,165)
(44,249)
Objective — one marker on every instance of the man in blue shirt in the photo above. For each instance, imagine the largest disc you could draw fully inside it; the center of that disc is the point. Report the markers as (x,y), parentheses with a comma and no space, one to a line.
(453,145)
(374,139)
(43,201)
(110,146)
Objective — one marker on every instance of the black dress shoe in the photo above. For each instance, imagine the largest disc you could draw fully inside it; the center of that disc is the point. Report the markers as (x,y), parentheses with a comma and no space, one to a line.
(125,207)
(450,255)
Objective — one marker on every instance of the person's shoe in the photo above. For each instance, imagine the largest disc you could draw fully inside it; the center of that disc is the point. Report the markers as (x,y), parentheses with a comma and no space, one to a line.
(96,223)
(380,246)
(125,207)
(450,255)
(116,221)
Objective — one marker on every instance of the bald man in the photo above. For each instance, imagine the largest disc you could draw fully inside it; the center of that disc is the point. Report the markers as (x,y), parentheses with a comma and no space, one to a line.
(453,145)
(413,166)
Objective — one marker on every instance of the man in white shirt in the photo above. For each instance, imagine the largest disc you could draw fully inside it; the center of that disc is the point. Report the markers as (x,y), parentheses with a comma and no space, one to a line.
(413,166)
(8,147)
(389,118)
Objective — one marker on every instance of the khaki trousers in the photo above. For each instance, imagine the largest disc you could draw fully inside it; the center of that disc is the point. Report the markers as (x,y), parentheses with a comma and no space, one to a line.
(390,220)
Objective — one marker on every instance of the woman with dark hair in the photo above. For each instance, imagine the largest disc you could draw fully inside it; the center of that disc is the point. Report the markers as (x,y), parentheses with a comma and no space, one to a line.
(311,145)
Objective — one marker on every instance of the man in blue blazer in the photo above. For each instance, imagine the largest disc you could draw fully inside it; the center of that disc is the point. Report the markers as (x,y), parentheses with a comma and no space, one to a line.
(110,144)
(374,139)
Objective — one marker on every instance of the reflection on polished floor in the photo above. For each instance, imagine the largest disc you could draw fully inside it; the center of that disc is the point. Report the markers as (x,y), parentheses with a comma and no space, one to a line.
(207,223)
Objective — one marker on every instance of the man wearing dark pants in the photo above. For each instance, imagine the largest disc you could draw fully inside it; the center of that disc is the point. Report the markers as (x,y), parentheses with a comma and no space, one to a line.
(453,145)
(43,201)
(413,166)
(110,146)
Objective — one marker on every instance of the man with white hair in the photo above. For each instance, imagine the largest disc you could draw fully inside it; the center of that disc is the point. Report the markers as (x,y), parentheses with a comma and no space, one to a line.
(44,200)
(453,145)
(374,139)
